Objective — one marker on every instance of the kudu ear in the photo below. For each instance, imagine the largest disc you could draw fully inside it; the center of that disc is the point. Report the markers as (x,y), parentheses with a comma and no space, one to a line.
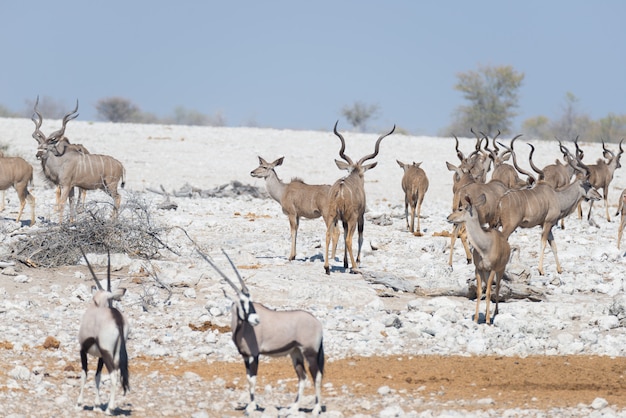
(278,162)
(342,165)
(262,161)
(400,163)
(368,166)
(451,167)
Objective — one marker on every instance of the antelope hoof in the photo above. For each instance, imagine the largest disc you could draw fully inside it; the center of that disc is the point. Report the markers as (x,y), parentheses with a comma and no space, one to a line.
(327,270)
(317,410)
(250,408)
(418,234)
(469,260)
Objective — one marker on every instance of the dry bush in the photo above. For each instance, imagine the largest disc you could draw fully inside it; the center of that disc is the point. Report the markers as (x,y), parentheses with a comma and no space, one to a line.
(133,232)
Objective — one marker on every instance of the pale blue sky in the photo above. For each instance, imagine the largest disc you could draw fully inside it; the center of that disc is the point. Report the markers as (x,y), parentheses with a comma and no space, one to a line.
(294,64)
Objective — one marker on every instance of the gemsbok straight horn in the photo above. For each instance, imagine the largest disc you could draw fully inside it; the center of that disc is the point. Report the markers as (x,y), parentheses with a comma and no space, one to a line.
(103,333)
(259,330)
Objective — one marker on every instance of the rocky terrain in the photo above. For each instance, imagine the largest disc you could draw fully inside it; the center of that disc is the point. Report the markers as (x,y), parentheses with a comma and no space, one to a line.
(399,338)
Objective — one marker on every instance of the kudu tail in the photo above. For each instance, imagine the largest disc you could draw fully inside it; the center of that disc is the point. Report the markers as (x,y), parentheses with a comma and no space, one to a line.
(123,183)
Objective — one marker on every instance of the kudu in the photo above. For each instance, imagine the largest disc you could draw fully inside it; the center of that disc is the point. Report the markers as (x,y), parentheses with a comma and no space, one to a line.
(347,201)
(556,175)
(51,176)
(258,330)
(75,169)
(415,186)
(486,211)
(297,199)
(473,185)
(16,172)
(491,252)
(103,334)
(621,210)
(543,206)
(502,171)
(601,175)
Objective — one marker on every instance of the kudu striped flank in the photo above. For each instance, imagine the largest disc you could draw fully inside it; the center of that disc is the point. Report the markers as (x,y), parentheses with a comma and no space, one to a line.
(103,334)
(347,201)
(258,330)
(68,168)
(544,206)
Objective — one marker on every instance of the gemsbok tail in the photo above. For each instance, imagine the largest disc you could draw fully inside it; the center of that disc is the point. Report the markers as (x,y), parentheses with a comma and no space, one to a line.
(320,357)
(124,363)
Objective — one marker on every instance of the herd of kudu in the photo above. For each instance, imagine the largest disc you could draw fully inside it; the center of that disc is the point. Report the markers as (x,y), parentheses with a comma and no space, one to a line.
(65,165)
(484,213)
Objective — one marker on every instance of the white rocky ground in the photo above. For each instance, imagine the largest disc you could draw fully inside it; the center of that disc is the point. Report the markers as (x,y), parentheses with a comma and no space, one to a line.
(582,311)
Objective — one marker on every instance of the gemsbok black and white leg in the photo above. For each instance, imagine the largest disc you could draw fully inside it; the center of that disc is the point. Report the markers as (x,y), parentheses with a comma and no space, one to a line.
(103,333)
(258,330)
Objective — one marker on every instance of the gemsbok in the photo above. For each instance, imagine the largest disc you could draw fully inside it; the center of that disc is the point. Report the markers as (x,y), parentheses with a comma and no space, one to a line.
(621,210)
(258,330)
(103,334)
(297,199)
(544,206)
(347,201)
(16,172)
(491,252)
(69,169)
(415,186)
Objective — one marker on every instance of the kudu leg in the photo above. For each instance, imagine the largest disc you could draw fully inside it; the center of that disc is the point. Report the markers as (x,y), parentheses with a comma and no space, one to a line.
(406,215)
(479,295)
(492,274)
(620,230)
(335,241)
(412,227)
(293,226)
(418,215)
(360,225)
(606,207)
(348,235)
(552,243)
(330,231)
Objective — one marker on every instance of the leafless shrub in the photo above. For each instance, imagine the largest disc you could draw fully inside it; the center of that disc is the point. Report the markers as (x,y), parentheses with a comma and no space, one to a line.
(134,232)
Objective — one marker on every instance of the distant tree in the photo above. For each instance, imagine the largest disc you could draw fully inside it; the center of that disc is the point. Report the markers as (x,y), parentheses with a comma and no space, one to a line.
(492,93)
(6,113)
(611,128)
(359,114)
(118,109)
(48,107)
(184,116)
(571,122)
(537,127)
